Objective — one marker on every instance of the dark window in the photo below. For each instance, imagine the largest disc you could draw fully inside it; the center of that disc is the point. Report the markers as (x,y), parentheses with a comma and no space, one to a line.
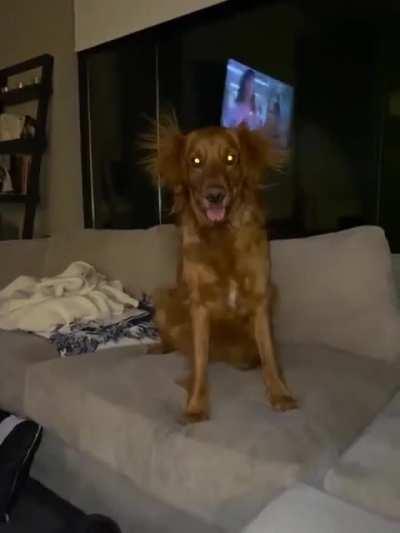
(331,60)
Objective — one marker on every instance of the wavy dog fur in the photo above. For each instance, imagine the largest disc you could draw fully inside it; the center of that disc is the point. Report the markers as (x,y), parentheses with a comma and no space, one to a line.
(222,306)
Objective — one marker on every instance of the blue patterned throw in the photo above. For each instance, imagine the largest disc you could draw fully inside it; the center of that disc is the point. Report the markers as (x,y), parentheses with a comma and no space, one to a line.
(133,327)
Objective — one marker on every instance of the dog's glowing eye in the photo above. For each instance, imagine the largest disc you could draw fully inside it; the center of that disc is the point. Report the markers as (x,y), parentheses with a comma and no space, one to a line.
(196,161)
(230,159)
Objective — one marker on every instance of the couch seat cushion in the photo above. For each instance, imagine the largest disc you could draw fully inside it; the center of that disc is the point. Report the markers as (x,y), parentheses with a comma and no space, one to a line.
(18,351)
(303,509)
(369,472)
(124,408)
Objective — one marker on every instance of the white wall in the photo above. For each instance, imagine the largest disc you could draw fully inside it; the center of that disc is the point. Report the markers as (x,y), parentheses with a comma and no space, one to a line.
(98,21)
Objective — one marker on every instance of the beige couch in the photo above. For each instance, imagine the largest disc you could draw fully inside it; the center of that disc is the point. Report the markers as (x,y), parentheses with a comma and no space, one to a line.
(112,442)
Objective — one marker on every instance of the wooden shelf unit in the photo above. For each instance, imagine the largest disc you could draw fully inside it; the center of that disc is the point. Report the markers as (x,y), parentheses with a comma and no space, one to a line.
(36,146)
(14,198)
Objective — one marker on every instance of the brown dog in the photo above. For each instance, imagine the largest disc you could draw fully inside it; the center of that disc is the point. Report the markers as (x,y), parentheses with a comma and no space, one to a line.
(221,309)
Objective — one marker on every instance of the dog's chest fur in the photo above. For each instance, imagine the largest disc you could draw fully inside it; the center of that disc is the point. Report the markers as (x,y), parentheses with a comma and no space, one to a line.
(226,270)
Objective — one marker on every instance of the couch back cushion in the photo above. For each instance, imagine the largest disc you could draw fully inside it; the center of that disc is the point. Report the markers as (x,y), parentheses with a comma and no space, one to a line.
(21,257)
(335,289)
(142,260)
(338,289)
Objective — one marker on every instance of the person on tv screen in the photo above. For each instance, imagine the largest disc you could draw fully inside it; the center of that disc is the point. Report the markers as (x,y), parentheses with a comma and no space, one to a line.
(244,110)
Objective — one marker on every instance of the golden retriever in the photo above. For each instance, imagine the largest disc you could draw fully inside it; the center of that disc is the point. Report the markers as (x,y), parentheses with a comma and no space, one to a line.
(222,306)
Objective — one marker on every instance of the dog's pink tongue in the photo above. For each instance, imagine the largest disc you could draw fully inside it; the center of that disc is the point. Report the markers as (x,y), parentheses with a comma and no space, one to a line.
(216,213)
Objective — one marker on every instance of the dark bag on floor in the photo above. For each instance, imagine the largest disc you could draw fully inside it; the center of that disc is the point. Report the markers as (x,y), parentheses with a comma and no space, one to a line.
(19,440)
(96,523)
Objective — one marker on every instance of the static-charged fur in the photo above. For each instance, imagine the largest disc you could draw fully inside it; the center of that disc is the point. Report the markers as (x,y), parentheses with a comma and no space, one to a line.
(222,306)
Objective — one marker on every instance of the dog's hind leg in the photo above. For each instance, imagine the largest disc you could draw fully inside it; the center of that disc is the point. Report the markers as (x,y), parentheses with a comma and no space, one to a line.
(171,319)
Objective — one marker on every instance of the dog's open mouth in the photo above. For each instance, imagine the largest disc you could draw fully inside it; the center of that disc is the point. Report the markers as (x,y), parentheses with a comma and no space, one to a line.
(215,213)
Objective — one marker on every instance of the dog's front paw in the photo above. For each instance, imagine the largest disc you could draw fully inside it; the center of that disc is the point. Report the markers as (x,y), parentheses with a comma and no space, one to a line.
(283,402)
(196,411)
(193,418)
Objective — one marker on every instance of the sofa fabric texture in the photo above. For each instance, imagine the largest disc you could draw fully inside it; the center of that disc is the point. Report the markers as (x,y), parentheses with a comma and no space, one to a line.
(303,509)
(338,289)
(368,473)
(124,408)
(143,260)
(22,257)
(18,351)
(337,326)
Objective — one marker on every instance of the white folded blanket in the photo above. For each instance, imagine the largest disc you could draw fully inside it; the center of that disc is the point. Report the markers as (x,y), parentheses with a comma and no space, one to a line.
(79,293)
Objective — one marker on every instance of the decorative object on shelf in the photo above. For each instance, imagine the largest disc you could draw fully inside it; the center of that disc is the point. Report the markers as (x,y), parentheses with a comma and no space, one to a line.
(11,126)
(29,129)
(5,179)
(15,169)
(19,171)
(22,137)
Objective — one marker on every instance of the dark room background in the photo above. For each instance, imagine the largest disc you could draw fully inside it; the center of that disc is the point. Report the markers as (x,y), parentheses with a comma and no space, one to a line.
(344,70)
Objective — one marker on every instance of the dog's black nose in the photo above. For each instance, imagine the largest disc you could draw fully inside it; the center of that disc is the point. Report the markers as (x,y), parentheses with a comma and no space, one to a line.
(215,197)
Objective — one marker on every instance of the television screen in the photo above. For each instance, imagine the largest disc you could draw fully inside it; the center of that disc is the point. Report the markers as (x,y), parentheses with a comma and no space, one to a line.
(259,101)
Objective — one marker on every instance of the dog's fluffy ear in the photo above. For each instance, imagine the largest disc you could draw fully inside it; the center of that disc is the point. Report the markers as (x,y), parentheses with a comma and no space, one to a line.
(165,145)
(258,153)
